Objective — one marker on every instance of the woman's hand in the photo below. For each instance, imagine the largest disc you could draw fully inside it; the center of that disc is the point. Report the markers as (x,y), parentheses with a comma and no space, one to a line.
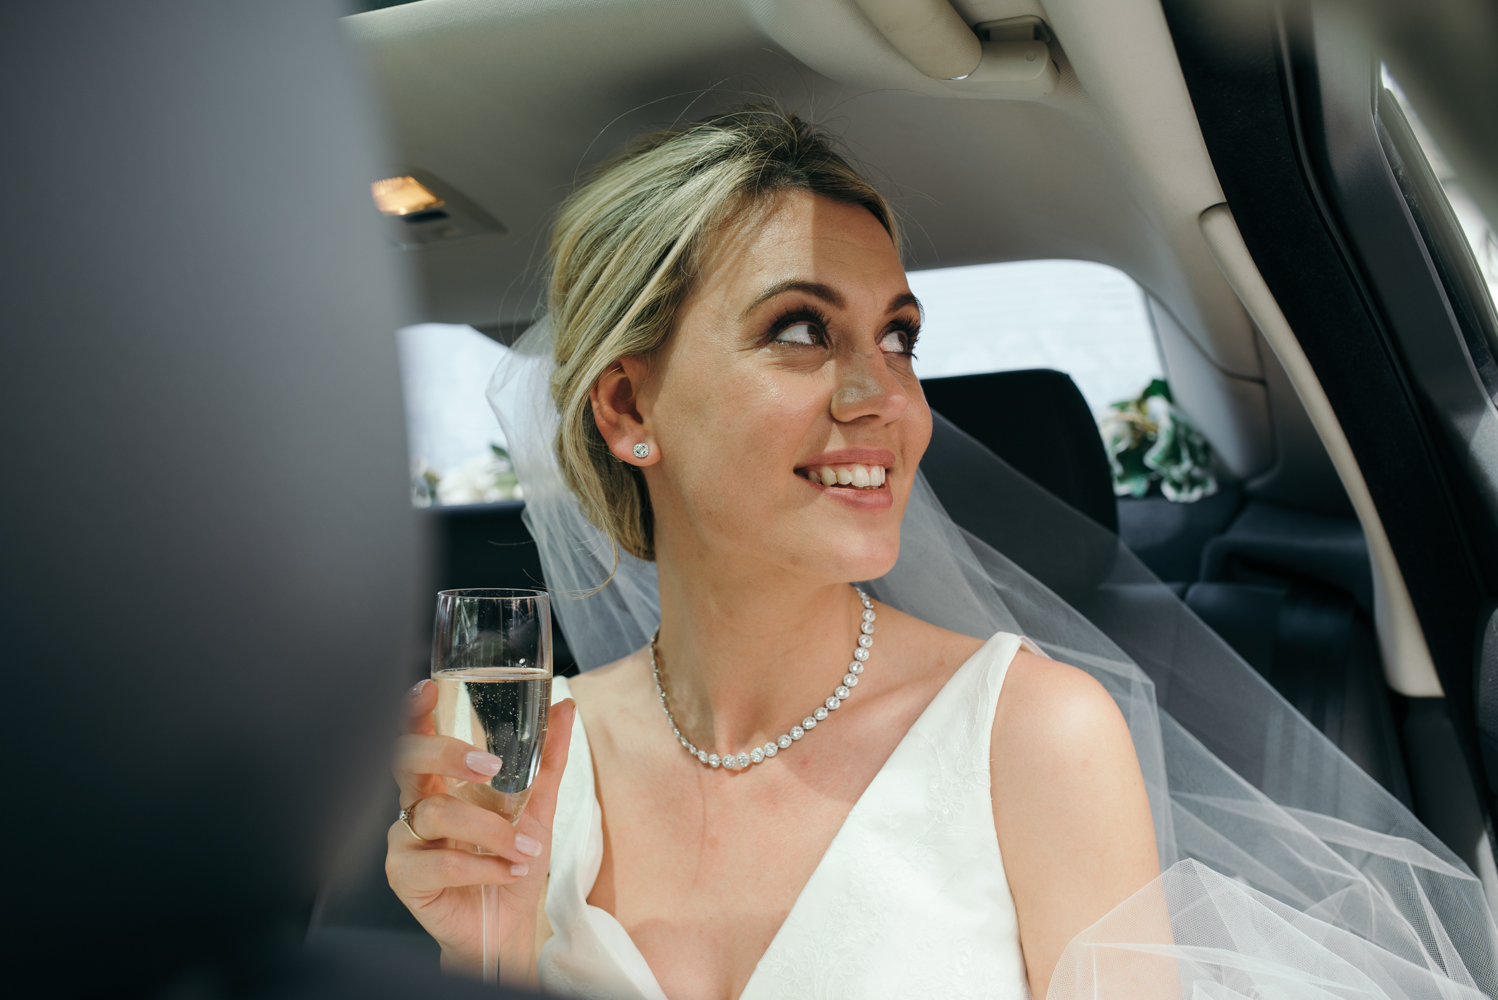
(439,879)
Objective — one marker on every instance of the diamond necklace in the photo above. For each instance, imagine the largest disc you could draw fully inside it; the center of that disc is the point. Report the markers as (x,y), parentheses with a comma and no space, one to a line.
(760,754)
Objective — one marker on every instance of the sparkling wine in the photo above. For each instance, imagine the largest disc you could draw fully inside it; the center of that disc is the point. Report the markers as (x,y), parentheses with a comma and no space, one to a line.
(502,710)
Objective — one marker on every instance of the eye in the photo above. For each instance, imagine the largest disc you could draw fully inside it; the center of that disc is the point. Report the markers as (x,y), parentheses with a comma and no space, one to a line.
(895,342)
(798,333)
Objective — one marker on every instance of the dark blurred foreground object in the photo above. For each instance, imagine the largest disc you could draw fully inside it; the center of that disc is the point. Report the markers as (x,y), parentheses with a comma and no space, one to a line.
(208,549)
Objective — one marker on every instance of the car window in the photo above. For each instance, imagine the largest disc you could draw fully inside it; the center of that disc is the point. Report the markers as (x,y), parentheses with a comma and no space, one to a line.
(456,446)
(1474,223)
(1086,319)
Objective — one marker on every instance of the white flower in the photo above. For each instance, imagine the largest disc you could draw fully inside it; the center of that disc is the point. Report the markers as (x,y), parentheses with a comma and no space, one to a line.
(485,478)
(423,483)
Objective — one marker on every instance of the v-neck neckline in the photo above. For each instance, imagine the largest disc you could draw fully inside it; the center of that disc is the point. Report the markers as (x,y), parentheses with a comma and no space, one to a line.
(652,988)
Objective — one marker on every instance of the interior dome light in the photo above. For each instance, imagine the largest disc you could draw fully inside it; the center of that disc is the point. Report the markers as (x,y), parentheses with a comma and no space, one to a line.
(403,195)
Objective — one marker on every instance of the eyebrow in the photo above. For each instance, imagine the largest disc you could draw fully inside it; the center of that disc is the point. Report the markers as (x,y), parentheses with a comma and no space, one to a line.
(901,301)
(826,293)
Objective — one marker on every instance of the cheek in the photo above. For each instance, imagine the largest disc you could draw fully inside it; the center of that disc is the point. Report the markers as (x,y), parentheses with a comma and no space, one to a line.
(734,436)
(915,429)
(754,418)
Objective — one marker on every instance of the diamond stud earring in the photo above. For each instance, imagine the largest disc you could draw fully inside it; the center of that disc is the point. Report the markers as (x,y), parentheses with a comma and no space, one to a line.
(642,450)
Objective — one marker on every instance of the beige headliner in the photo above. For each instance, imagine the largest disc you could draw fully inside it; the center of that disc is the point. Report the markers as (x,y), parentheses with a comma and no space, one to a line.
(508,99)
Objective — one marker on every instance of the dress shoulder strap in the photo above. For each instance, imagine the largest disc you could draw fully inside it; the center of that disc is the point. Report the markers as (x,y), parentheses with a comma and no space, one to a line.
(573,823)
(961,715)
(589,953)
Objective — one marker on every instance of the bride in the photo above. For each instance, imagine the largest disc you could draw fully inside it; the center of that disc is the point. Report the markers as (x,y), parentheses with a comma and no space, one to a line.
(793,788)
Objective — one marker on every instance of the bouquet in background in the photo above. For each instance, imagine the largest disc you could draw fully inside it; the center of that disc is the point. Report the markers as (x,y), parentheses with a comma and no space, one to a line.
(486,478)
(1149,441)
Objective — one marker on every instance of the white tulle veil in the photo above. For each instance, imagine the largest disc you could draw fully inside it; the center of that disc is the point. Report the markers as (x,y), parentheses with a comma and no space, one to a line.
(1287,870)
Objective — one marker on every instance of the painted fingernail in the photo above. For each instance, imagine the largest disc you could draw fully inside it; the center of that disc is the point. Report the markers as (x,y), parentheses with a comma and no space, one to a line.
(483,763)
(417,688)
(519,870)
(529,846)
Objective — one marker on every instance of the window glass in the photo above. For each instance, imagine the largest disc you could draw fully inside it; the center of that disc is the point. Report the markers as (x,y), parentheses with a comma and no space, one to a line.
(457,448)
(1088,320)
(1474,224)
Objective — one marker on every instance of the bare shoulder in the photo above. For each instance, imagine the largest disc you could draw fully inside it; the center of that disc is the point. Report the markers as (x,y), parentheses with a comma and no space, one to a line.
(1070,806)
(1061,746)
(1052,712)
(917,641)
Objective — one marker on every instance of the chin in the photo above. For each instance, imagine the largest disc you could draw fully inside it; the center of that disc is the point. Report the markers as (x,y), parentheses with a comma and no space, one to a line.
(858,559)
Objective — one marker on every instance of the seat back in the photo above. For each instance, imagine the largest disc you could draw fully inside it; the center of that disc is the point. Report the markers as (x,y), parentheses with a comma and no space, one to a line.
(1292,592)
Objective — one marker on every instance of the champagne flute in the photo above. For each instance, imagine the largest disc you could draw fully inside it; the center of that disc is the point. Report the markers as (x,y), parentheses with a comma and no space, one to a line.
(491,660)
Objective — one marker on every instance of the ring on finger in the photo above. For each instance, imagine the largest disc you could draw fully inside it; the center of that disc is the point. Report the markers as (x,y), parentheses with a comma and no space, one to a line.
(408,814)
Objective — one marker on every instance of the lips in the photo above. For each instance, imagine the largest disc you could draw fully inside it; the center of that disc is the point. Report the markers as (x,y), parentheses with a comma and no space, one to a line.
(856,477)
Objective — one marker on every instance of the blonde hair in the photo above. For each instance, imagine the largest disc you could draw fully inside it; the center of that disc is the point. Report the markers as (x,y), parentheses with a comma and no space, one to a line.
(624,251)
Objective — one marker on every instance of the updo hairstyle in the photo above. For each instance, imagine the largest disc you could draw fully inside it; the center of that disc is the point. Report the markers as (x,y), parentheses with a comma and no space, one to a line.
(624,251)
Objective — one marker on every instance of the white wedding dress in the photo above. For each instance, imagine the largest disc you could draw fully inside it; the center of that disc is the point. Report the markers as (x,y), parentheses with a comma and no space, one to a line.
(910,900)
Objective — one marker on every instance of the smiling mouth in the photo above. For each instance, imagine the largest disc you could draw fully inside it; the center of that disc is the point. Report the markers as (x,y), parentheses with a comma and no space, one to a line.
(851,476)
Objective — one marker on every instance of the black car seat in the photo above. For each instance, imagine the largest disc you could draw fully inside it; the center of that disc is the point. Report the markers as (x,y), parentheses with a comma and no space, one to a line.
(1291,592)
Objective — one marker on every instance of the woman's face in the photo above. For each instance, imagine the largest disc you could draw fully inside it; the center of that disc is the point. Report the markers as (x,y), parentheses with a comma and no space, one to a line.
(785,420)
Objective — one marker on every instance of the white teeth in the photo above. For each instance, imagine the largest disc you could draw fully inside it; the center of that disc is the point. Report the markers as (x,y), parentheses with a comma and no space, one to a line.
(863,477)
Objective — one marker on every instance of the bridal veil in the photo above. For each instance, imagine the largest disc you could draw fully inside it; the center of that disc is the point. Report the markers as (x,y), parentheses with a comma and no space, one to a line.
(1287,871)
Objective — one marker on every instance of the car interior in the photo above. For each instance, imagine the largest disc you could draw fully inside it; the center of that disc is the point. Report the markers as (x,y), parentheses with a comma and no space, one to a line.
(1245,165)
(1318,312)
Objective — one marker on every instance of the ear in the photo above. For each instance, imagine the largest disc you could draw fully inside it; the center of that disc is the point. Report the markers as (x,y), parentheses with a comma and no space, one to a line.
(617,410)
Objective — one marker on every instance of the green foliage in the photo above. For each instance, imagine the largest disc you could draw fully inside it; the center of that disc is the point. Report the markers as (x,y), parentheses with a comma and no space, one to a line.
(1149,440)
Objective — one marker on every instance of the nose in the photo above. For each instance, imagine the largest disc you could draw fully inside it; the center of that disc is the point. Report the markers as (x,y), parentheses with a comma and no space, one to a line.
(867,388)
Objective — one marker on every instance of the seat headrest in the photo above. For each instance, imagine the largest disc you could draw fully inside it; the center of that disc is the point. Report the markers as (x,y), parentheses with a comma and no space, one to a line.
(1037,421)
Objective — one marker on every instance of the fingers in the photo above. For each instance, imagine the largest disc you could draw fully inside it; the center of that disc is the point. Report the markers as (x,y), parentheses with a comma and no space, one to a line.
(421,701)
(418,757)
(438,817)
(543,801)
(430,871)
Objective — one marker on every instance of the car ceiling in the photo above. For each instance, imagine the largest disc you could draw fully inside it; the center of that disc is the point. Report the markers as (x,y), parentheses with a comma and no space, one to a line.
(509,100)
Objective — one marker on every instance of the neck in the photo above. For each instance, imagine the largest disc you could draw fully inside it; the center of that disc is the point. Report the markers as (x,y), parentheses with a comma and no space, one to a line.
(743,656)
